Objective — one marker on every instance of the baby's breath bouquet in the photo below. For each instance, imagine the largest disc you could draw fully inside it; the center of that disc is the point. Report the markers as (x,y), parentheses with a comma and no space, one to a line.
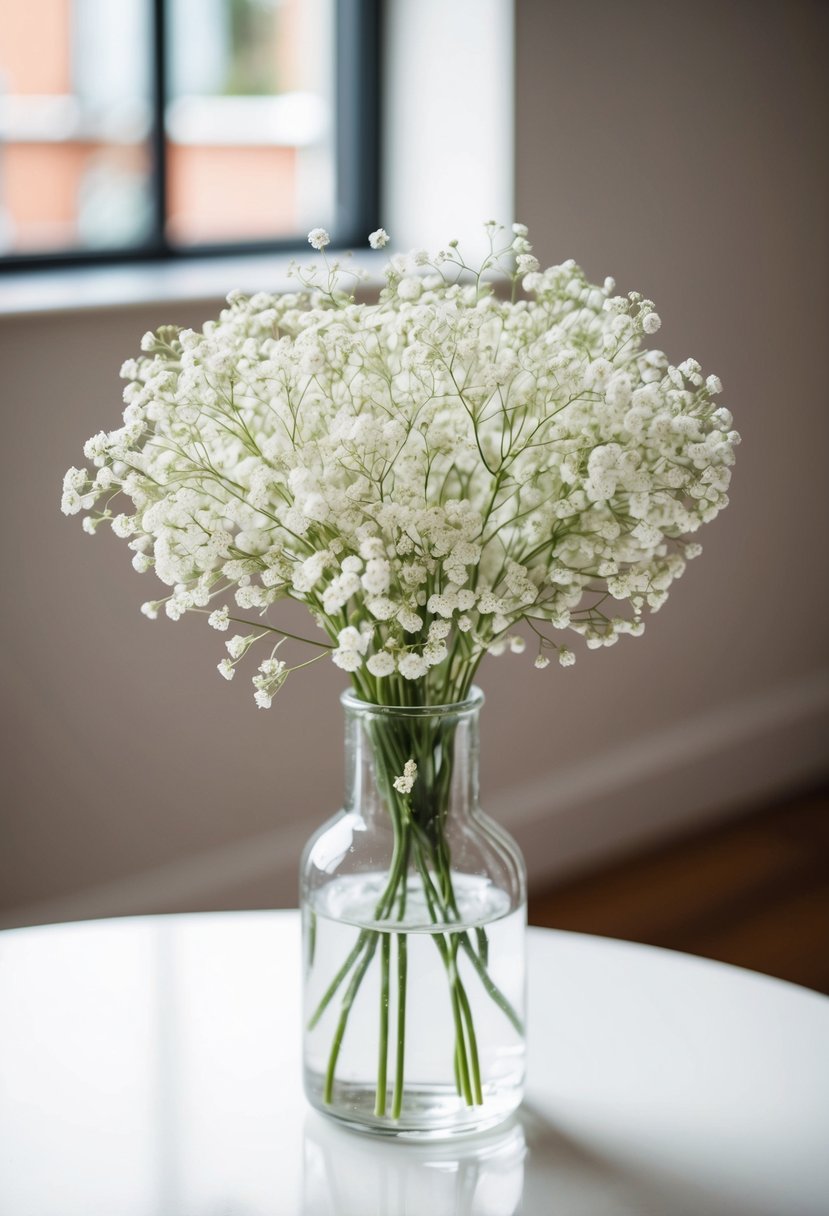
(479,460)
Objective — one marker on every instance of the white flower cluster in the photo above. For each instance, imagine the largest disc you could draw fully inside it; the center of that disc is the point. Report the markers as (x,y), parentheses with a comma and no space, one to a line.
(426,473)
(405,783)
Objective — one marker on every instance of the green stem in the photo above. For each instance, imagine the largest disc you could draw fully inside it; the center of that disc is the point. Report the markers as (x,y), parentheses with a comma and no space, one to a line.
(492,988)
(327,996)
(348,1001)
(384,904)
(479,963)
(383,1046)
(448,953)
(472,1040)
(402,966)
(460,1045)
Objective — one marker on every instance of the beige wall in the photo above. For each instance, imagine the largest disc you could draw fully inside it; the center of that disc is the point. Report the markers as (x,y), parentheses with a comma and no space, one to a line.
(682,147)
(679,147)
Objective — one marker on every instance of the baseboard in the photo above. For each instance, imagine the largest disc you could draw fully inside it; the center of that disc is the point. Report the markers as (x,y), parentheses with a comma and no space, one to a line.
(708,768)
(578,817)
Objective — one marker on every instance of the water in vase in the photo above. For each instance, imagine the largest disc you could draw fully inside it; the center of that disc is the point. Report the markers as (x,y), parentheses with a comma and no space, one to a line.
(457,1059)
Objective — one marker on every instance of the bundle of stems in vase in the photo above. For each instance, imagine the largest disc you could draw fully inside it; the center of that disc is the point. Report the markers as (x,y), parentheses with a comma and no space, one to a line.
(417,803)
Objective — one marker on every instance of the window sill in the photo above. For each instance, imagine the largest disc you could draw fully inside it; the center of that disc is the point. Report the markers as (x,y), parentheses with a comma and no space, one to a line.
(86,289)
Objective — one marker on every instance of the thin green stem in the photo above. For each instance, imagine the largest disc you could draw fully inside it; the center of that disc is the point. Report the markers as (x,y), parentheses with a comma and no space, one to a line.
(448,952)
(471,1039)
(380,912)
(402,970)
(383,1045)
(348,1001)
(353,955)
(492,989)
(460,1045)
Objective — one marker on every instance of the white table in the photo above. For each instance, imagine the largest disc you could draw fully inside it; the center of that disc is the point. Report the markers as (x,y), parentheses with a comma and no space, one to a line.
(150,1067)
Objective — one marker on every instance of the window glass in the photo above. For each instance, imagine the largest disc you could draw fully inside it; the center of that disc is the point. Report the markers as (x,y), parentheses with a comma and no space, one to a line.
(249,122)
(75,124)
(248,125)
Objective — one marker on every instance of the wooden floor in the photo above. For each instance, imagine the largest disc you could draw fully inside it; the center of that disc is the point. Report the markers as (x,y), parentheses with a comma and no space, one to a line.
(754,892)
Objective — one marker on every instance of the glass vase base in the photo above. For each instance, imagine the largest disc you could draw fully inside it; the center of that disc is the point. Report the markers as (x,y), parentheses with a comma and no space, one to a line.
(429,1112)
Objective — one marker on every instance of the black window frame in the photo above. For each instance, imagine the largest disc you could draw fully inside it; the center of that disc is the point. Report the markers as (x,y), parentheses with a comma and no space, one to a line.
(357,41)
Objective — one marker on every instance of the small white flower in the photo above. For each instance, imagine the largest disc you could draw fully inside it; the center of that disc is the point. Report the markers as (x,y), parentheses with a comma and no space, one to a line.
(351,639)
(376,576)
(434,653)
(270,677)
(438,630)
(312,361)
(237,645)
(410,620)
(378,239)
(348,660)
(410,288)
(442,605)
(219,619)
(123,526)
(541,661)
(381,664)
(567,657)
(651,322)
(527,263)
(405,783)
(318,238)
(70,503)
(226,669)
(714,385)
(382,608)
(412,666)
(487,602)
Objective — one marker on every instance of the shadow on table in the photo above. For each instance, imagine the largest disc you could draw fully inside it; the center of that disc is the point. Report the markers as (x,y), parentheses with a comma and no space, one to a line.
(566,1176)
(527,1166)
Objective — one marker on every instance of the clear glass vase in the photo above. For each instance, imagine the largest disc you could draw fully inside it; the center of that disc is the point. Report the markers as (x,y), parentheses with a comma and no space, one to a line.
(414,915)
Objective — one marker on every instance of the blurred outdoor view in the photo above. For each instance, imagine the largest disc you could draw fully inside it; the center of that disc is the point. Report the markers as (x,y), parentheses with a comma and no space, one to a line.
(248,122)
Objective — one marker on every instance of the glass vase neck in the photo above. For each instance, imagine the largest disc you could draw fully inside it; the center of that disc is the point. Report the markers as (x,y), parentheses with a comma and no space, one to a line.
(440,741)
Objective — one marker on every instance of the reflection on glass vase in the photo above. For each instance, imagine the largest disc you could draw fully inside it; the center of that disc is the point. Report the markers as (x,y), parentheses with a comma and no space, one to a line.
(414,915)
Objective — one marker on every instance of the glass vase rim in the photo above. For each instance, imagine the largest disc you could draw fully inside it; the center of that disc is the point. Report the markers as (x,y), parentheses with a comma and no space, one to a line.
(470,705)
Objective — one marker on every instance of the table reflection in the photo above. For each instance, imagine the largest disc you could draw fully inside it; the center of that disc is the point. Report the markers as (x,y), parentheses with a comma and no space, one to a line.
(350,1174)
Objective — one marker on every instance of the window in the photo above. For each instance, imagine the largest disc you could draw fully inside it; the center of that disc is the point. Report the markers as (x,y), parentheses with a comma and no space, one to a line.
(165,128)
